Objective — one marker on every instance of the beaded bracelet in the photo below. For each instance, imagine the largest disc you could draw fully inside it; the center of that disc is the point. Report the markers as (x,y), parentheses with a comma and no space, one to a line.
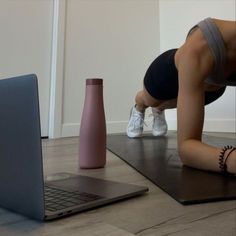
(222,161)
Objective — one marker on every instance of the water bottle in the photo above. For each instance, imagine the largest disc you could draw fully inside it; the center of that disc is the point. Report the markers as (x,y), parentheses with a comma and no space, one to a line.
(92,135)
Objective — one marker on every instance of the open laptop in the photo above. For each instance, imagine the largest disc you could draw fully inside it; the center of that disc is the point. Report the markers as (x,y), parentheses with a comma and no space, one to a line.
(22,187)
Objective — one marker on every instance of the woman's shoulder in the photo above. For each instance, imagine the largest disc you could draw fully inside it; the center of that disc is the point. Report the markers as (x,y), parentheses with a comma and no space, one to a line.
(195,55)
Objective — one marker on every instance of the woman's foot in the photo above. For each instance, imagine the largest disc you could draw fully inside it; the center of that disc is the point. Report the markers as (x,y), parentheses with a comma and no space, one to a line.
(159,127)
(135,125)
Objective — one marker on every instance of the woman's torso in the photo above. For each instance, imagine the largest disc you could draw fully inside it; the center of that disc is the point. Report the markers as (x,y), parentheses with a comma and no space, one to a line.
(220,39)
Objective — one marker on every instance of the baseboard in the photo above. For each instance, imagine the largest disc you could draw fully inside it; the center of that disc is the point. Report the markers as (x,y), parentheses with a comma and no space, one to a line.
(210,125)
(217,125)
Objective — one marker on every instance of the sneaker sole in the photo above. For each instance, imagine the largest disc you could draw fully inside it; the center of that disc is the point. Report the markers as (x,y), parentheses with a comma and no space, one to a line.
(160,133)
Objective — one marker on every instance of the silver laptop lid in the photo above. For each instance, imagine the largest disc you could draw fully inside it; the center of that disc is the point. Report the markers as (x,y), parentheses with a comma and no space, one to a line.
(21,169)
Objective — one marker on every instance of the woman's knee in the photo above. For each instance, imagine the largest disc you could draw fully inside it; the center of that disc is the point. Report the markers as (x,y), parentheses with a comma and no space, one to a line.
(146,99)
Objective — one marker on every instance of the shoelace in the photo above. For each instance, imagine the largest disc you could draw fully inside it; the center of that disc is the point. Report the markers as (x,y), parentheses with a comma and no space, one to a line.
(138,120)
(155,115)
(158,117)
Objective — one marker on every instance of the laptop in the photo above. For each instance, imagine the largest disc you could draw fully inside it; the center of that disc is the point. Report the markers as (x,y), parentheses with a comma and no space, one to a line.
(22,186)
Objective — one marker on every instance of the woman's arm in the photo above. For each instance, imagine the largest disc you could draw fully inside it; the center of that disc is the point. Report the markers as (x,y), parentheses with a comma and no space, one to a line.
(190,115)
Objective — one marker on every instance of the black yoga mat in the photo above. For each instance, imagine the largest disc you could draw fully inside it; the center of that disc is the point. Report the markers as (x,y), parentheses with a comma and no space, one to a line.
(157,159)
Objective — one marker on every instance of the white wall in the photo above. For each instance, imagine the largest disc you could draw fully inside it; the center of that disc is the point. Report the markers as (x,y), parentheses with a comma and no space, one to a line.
(25,45)
(112,39)
(115,40)
(176,18)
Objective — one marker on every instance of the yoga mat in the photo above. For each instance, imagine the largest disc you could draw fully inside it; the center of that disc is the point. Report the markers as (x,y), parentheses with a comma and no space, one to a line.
(157,159)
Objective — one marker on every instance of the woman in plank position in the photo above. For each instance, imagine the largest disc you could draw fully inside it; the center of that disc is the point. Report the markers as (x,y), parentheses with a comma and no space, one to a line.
(189,78)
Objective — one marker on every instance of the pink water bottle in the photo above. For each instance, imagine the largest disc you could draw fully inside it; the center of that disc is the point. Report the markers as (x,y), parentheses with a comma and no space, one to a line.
(92,137)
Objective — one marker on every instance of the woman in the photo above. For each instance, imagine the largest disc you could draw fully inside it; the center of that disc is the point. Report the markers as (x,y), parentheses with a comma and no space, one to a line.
(197,73)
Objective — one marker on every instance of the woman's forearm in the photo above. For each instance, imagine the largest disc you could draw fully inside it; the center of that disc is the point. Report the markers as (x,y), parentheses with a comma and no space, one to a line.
(196,154)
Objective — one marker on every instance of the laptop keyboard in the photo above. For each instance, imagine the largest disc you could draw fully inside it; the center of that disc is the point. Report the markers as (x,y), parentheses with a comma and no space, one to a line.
(57,199)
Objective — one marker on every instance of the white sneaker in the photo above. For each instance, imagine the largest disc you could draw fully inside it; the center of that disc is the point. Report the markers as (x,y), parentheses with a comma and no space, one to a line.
(159,127)
(135,125)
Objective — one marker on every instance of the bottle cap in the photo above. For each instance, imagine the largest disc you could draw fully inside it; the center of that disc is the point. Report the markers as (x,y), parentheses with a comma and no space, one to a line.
(94,81)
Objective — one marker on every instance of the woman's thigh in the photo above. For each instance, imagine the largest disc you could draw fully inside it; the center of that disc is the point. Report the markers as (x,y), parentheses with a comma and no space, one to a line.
(149,101)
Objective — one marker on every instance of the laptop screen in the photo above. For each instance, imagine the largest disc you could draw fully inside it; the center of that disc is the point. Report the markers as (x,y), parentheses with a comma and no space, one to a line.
(21,172)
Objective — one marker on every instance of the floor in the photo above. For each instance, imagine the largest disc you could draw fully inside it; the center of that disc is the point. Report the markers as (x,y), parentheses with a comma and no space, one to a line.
(155,213)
